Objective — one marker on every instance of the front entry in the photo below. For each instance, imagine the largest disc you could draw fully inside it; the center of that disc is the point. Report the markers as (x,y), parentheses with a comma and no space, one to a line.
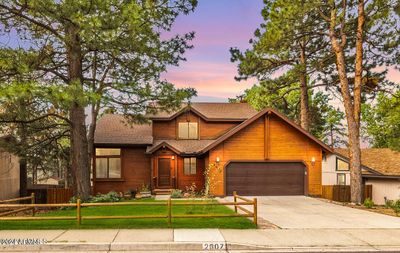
(164,172)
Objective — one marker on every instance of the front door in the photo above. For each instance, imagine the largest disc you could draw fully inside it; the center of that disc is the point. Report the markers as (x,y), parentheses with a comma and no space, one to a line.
(164,172)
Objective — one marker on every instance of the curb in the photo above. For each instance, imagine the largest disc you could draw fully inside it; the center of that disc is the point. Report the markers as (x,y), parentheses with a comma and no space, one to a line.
(183,247)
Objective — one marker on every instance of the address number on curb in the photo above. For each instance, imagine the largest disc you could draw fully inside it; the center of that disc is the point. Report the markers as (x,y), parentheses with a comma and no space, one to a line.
(214,246)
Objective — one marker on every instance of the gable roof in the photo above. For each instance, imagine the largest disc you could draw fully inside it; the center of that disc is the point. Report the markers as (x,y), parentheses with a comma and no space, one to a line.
(257,116)
(211,111)
(114,129)
(181,147)
(383,160)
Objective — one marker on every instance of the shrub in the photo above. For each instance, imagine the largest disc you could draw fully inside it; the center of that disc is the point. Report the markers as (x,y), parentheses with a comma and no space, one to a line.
(176,193)
(191,191)
(144,188)
(368,203)
(109,197)
(389,203)
(396,207)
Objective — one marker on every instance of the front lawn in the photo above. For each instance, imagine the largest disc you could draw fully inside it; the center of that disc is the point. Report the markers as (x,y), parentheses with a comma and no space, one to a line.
(236,222)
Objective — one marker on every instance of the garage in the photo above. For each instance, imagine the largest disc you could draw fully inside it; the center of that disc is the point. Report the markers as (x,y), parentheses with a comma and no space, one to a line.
(265,178)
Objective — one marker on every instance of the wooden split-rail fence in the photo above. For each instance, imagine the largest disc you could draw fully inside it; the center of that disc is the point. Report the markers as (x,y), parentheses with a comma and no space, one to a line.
(238,205)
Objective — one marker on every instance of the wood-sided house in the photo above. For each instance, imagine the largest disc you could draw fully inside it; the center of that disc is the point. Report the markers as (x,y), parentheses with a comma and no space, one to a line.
(253,153)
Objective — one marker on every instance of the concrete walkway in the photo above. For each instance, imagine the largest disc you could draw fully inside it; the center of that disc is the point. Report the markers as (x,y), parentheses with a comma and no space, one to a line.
(231,240)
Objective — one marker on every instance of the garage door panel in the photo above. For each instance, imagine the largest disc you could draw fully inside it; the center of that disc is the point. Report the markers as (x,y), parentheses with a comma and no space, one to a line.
(269,178)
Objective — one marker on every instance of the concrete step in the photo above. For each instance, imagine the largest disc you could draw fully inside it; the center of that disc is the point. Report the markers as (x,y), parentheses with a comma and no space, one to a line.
(162,191)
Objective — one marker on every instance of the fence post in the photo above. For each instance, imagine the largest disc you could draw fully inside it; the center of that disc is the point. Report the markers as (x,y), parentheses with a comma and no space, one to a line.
(169,207)
(255,211)
(33,202)
(78,211)
(234,200)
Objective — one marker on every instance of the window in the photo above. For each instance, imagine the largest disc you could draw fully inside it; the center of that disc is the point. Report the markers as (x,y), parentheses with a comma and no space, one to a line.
(188,130)
(108,163)
(189,166)
(341,179)
(342,165)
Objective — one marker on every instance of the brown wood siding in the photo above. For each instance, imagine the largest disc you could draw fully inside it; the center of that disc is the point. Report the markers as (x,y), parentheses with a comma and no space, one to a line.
(285,143)
(164,130)
(135,169)
(187,180)
(213,130)
(208,130)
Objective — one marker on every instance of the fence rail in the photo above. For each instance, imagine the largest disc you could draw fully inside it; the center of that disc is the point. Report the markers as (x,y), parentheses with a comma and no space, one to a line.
(168,215)
(21,206)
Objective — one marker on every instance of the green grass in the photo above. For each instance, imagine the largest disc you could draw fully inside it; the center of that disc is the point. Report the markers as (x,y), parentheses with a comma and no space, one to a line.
(230,222)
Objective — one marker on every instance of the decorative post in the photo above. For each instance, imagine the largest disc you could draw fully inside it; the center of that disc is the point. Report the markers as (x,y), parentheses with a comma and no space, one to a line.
(33,202)
(78,211)
(255,210)
(169,206)
(235,200)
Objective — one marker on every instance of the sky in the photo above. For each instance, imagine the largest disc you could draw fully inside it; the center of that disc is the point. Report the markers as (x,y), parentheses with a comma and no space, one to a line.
(219,25)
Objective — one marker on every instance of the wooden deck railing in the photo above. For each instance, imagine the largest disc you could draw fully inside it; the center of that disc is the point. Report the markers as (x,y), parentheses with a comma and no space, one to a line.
(31,198)
(168,214)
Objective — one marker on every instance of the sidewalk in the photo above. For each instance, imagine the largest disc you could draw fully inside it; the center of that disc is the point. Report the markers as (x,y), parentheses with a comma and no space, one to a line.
(271,240)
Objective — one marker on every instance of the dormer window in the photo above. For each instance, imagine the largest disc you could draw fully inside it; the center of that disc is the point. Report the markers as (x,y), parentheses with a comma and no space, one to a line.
(188,131)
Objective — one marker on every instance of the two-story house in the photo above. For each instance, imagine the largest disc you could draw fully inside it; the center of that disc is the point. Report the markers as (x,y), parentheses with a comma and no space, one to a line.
(253,153)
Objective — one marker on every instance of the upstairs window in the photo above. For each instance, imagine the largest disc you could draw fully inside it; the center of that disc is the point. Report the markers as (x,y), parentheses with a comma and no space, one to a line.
(189,165)
(188,131)
(108,163)
(342,165)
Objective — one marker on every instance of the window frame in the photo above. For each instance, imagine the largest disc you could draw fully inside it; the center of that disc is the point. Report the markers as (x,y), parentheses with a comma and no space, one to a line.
(187,130)
(190,166)
(337,164)
(108,157)
(337,178)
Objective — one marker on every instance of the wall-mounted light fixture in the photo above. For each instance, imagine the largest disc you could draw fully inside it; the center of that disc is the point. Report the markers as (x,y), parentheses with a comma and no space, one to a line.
(313,161)
(217,160)
(173,157)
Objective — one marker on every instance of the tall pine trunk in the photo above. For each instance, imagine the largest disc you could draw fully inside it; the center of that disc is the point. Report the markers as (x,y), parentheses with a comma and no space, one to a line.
(79,143)
(304,108)
(352,104)
(355,151)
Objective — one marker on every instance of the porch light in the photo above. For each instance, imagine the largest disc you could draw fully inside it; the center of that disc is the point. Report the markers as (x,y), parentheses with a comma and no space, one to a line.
(217,160)
(313,161)
(173,157)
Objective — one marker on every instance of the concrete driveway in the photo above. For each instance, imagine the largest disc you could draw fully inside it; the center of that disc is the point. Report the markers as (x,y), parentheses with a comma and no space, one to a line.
(300,212)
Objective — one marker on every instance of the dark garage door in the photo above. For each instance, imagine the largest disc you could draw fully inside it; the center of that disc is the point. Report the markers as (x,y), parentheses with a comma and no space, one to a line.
(265,178)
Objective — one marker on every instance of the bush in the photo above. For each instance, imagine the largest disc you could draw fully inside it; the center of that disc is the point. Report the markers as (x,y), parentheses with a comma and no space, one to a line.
(109,197)
(176,194)
(368,203)
(396,207)
(389,203)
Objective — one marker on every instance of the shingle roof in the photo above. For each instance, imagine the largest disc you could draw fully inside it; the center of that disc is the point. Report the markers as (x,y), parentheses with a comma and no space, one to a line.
(181,146)
(383,160)
(113,129)
(213,111)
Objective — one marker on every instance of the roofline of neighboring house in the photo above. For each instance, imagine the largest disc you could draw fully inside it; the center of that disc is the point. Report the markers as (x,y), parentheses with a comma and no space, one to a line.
(189,108)
(257,116)
(382,176)
(362,165)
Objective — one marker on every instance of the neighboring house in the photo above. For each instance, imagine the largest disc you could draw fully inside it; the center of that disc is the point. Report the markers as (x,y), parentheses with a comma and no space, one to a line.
(380,168)
(255,153)
(9,175)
